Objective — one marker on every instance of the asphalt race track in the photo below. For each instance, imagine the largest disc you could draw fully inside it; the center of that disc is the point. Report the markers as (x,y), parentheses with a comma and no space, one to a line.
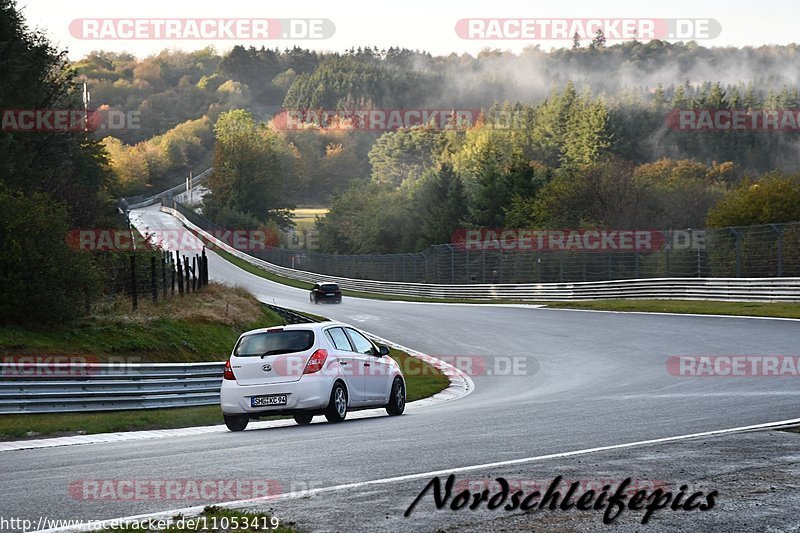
(583,380)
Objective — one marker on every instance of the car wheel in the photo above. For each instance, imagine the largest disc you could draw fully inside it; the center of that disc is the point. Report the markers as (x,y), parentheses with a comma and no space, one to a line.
(397,400)
(236,422)
(303,419)
(337,407)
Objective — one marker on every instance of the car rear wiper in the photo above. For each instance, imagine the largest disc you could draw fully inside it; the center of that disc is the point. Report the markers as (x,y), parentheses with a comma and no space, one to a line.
(274,352)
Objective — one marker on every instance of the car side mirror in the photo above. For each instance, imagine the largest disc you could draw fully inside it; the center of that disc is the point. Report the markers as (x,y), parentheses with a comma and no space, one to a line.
(383,350)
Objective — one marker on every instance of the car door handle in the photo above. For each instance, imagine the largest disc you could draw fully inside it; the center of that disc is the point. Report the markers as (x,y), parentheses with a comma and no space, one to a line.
(367,364)
(342,362)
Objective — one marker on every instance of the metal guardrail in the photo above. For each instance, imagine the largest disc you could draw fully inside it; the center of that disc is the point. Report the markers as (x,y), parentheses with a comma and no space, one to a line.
(108,387)
(290,316)
(125,203)
(84,387)
(735,289)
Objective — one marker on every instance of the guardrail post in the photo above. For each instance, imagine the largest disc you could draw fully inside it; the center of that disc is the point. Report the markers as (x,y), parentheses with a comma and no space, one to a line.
(736,235)
(779,230)
(699,264)
(205,267)
(483,265)
(452,264)
(188,281)
(180,271)
(667,247)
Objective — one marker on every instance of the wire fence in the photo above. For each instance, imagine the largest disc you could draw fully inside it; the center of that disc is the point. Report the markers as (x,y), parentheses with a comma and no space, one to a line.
(155,275)
(771,250)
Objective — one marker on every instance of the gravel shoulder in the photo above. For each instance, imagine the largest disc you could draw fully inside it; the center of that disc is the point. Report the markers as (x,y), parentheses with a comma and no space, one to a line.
(756,475)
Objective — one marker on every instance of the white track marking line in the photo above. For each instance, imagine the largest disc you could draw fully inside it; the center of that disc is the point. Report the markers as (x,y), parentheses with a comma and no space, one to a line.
(191,511)
(667,314)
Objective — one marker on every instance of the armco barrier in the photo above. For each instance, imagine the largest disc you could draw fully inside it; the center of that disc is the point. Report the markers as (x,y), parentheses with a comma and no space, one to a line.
(734,289)
(125,204)
(45,388)
(109,387)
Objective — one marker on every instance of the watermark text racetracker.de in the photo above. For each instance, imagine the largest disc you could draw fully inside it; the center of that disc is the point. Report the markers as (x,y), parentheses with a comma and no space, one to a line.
(180,239)
(47,366)
(160,28)
(726,120)
(387,119)
(613,29)
(471,365)
(733,366)
(211,490)
(68,120)
(39,367)
(538,240)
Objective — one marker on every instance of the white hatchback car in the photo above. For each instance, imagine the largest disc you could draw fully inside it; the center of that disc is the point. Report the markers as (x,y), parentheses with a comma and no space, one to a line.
(324,368)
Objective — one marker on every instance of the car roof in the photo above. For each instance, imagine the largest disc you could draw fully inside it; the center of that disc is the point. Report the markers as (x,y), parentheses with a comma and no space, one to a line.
(315,326)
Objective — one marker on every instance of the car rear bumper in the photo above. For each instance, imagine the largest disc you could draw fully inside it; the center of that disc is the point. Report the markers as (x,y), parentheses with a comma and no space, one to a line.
(309,393)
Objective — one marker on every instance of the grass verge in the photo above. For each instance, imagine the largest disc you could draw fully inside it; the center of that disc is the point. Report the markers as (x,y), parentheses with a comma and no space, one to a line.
(703,307)
(422,379)
(196,327)
(214,519)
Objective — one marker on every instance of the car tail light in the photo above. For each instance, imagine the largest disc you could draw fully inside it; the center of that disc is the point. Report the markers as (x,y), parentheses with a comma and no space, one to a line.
(228,372)
(316,361)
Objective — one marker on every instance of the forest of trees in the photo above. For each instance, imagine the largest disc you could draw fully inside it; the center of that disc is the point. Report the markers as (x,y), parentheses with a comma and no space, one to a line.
(179,96)
(590,142)
(50,181)
(589,145)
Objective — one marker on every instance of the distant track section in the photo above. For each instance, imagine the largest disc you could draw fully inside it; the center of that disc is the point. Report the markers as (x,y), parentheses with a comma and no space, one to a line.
(734,289)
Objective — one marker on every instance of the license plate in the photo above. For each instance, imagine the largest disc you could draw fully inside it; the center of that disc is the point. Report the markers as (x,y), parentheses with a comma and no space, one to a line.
(264,401)
(331,294)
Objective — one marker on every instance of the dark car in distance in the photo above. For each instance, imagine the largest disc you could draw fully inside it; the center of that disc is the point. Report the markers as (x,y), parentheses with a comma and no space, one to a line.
(326,292)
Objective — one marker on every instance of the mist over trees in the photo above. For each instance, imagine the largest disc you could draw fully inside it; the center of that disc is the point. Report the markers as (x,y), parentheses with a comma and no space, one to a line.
(590,142)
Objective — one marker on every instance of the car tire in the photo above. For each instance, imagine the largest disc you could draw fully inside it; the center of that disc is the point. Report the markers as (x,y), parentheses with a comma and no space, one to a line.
(337,406)
(397,399)
(236,422)
(303,419)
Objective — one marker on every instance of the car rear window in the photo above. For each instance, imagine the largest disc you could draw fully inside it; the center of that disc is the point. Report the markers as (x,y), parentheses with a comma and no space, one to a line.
(274,343)
(330,287)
